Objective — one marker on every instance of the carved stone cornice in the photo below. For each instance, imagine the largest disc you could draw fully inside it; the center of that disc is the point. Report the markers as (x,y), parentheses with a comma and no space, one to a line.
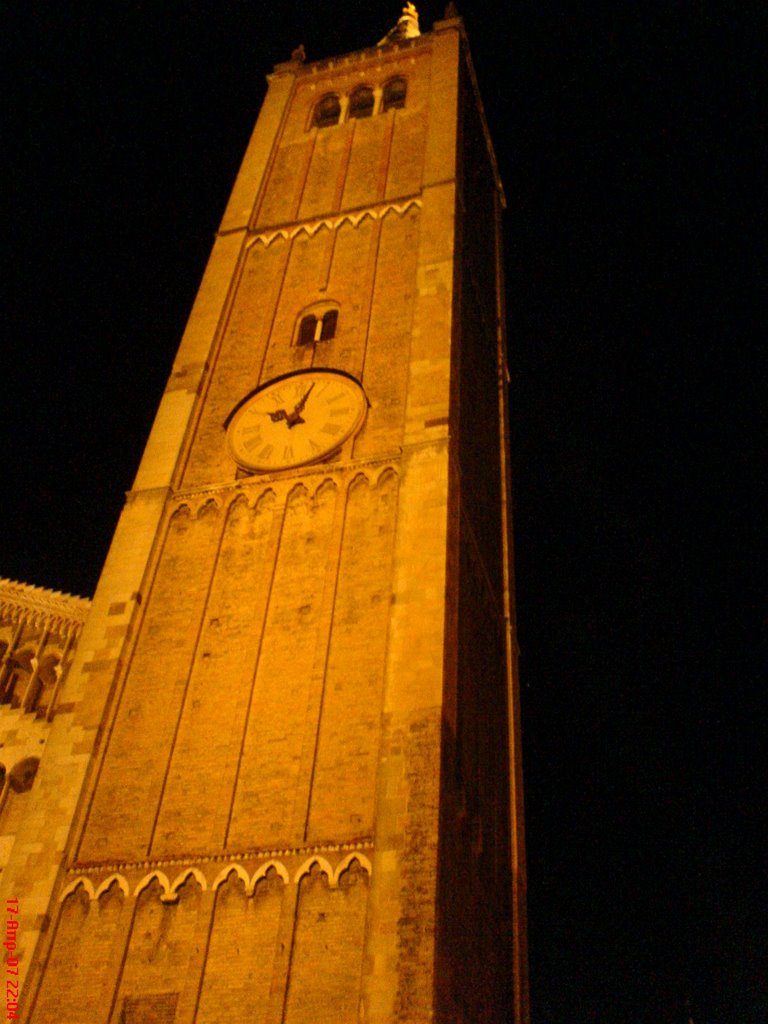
(217,857)
(42,608)
(371,53)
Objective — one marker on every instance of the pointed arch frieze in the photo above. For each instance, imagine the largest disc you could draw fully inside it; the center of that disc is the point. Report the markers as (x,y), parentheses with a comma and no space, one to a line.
(182,879)
(78,883)
(162,880)
(359,480)
(309,863)
(227,872)
(387,477)
(265,501)
(181,514)
(265,492)
(208,508)
(346,863)
(326,488)
(238,505)
(205,875)
(116,879)
(262,871)
(298,494)
(354,219)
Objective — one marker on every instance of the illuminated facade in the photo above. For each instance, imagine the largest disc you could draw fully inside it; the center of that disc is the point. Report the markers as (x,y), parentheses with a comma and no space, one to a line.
(287,785)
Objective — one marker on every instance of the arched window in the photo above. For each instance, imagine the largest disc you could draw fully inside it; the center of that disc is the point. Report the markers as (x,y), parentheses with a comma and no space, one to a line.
(394,94)
(15,792)
(328,327)
(23,775)
(317,326)
(38,696)
(361,102)
(327,111)
(307,330)
(18,671)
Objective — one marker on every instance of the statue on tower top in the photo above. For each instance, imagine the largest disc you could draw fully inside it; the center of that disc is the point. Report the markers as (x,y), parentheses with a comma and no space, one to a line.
(407,26)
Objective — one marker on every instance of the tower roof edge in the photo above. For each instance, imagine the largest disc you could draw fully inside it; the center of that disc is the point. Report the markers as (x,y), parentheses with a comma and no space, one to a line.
(458,24)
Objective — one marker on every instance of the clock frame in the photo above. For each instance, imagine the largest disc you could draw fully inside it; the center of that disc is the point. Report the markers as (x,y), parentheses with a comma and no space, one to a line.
(294,420)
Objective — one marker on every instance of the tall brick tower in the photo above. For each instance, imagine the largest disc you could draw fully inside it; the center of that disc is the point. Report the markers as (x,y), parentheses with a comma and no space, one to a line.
(287,789)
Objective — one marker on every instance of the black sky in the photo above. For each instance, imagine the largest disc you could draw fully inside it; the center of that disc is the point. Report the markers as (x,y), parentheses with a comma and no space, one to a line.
(632,143)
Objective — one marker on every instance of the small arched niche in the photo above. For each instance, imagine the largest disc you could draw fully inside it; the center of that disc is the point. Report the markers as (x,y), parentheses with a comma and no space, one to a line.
(39,695)
(18,672)
(23,775)
(394,94)
(327,111)
(361,102)
(18,783)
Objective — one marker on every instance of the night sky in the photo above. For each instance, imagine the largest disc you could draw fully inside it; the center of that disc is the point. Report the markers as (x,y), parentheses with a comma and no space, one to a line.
(632,144)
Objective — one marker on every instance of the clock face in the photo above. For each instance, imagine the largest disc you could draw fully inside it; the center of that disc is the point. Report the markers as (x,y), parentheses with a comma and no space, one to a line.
(296,419)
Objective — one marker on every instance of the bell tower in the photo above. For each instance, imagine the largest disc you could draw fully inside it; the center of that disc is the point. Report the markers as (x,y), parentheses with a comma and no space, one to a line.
(289,790)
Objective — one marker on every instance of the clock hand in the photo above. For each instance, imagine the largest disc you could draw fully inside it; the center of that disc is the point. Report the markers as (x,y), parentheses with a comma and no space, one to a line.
(295,417)
(303,402)
(279,414)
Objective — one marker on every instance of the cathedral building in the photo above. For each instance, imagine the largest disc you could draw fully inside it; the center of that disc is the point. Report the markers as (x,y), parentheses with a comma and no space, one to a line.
(39,630)
(272,772)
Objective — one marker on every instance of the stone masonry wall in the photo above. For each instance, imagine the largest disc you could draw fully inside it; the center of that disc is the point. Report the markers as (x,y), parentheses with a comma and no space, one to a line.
(260,821)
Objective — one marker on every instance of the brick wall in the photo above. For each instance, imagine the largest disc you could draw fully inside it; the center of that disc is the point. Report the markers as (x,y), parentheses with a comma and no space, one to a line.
(327,949)
(201,955)
(344,776)
(85,961)
(240,960)
(121,822)
(369,268)
(256,683)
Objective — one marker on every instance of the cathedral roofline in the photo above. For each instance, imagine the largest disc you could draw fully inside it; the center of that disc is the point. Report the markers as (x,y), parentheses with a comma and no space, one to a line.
(24,600)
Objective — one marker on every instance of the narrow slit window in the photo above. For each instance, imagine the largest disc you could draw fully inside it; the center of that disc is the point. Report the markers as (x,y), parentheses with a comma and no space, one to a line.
(327,111)
(361,102)
(307,330)
(394,94)
(328,329)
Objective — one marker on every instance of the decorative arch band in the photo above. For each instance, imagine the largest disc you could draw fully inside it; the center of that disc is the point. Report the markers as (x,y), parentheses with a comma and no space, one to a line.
(257,495)
(170,889)
(310,228)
